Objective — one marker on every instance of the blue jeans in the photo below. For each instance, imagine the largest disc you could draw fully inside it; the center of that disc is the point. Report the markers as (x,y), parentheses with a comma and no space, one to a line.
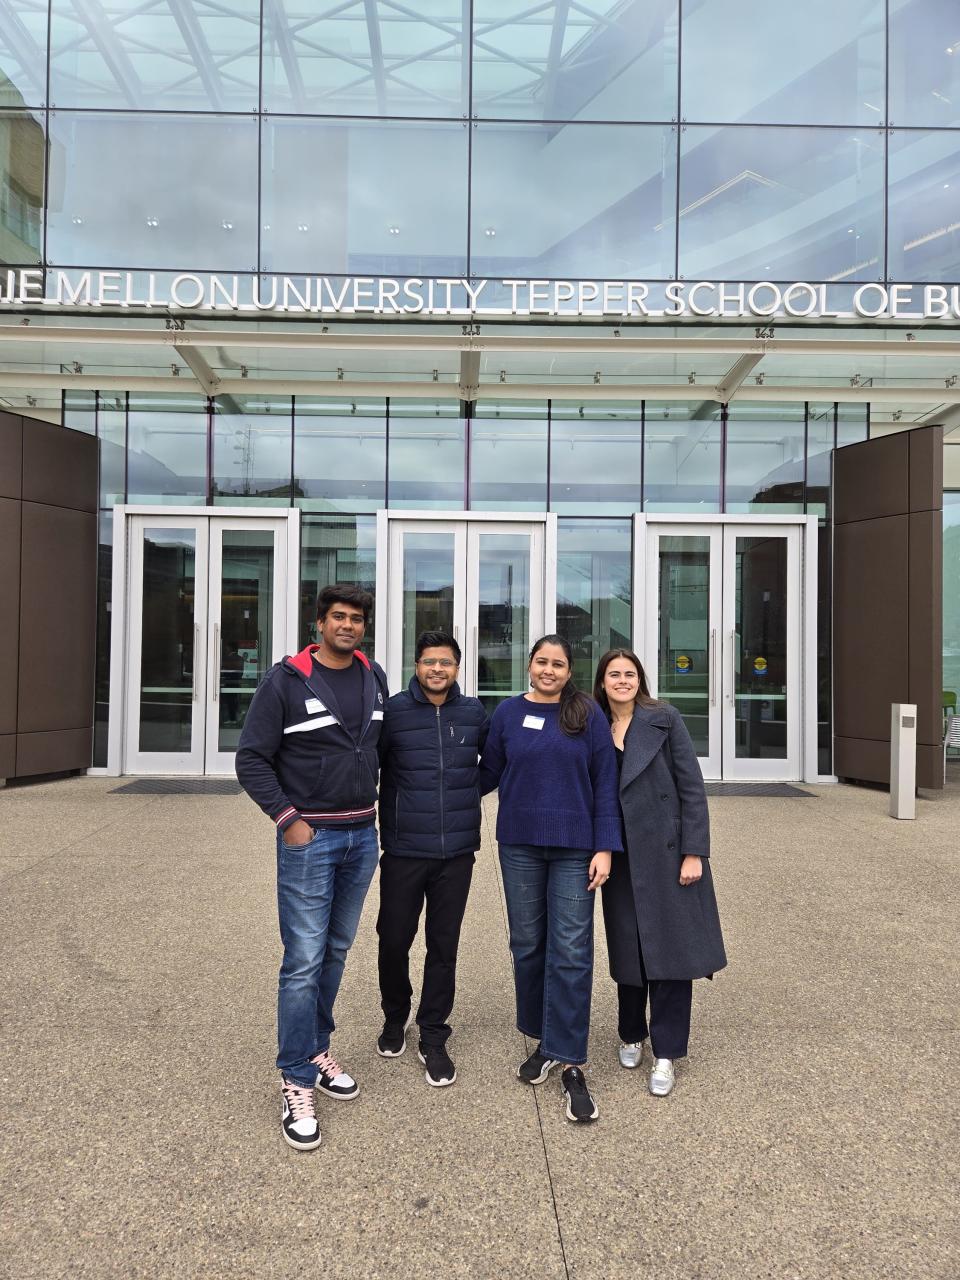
(320,891)
(550,912)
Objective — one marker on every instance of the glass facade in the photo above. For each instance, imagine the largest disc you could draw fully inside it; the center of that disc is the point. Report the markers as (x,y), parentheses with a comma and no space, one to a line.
(658,141)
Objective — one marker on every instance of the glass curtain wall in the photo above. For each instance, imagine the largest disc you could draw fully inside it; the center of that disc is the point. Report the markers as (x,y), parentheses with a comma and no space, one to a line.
(748,141)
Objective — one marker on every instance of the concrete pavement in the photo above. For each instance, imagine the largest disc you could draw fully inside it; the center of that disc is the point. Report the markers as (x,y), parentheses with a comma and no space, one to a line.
(813,1131)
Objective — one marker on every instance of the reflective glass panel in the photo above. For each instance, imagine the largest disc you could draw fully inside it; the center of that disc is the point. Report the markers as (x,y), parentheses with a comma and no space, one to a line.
(371,60)
(80,411)
(335,549)
(428,581)
(145,220)
(427,461)
(339,459)
(594,590)
(503,616)
(23,53)
(508,464)
(765,447)
(101,706)
(681,458)
(951,591)
(188,55)
(923,235)
(21,188)
(814,63)
(683,646)
(594,460)
(167,451)
(112,432)
(824,648)
(781,204)
(821,419)
(251,453)
(924,62)
(378,198)
(246,627)
(605,61)
(569,201)
(167,661)
(760,649)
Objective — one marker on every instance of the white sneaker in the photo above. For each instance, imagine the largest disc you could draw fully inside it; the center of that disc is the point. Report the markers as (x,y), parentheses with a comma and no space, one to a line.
(662,1077)
(630,1055)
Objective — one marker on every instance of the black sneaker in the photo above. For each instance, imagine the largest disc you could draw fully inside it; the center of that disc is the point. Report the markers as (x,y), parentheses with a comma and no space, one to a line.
(299,1117)
(440,1069)
(332,1079)
(536,1068)
(580,1106)
(393,1038)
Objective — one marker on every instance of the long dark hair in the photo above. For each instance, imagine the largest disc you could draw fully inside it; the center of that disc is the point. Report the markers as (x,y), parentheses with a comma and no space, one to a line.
(600,694)
(575,707)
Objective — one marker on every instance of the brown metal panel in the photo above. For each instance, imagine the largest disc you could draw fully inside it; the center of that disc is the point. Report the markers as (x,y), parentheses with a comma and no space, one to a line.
(864,759)
(57,618)
(870,640)
(872,479)
(10,629)
(926,623)
(11,455)
(59,466)
(8,755)
(926,468)
(54,752)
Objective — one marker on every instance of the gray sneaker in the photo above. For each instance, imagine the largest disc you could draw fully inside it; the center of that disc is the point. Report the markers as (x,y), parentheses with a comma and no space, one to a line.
(630,1055)
(661,1077)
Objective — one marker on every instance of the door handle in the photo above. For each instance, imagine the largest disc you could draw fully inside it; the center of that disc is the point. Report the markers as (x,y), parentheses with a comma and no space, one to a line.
(216,658)
(476,660)
(196,656)
(713,667)
(731,688)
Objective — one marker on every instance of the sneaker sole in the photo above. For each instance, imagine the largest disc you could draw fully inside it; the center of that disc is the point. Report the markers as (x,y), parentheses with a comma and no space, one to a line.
(340,1097)
(436,1084)
(301,1146)
(661,1093)
(580,1119)
(396,1053)
(540,1079)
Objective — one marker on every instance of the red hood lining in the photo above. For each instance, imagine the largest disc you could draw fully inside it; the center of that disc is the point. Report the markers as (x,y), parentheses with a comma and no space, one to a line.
(303,661)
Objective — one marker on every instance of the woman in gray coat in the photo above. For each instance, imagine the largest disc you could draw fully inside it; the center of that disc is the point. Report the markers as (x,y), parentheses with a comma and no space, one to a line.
(659,909)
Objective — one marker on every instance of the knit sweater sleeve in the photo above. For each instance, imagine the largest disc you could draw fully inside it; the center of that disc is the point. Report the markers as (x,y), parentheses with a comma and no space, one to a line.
(494,758)
(606,795)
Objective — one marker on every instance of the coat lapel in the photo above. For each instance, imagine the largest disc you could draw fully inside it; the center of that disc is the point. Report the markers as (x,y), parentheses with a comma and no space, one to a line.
(648,729)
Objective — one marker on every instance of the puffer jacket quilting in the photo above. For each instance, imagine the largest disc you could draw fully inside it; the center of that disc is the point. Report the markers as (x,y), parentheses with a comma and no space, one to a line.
(429,796)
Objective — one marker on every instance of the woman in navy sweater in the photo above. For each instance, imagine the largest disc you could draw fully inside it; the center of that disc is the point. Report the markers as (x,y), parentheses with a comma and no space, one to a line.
(551,755)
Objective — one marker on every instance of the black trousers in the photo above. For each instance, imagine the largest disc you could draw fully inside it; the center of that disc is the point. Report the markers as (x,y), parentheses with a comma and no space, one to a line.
(670,1004)
(405,884)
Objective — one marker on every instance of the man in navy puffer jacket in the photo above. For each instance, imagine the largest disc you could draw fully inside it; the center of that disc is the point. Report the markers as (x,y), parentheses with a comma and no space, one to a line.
(430,831)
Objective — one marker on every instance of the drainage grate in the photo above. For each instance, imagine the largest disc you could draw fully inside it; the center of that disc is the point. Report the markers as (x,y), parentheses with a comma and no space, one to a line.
(179,787)
(781,790)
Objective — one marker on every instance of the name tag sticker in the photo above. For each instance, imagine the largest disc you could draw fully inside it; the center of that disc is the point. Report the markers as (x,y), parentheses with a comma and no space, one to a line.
(533,722)
(314,706)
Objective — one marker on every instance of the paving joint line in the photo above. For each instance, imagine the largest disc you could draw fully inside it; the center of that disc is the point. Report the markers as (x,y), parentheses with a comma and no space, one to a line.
(536,1100)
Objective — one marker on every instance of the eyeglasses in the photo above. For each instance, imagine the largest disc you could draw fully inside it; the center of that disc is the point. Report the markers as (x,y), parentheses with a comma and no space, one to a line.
(446,663)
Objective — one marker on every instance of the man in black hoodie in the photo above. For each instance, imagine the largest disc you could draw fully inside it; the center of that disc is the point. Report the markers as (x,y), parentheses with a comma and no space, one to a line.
(308,757)
(430,831)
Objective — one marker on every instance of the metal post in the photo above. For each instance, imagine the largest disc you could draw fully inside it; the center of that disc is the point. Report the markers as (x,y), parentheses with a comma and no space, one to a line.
(903,760)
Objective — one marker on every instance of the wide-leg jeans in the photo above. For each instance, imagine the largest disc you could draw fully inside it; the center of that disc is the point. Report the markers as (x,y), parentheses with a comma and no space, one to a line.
(321,886)
(550,913)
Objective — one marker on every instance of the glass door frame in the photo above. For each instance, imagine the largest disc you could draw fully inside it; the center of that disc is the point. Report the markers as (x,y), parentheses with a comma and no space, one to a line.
(802,751)
(126,612)
(465,525)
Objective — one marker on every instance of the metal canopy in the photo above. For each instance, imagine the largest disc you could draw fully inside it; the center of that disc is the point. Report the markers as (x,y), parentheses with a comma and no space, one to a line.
(911,376)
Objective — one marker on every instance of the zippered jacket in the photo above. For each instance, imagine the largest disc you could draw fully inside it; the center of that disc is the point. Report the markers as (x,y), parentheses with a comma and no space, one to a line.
(296,759)
(429,796)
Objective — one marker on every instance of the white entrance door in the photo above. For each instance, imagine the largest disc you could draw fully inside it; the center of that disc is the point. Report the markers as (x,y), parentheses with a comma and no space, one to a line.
(205,621)
(483,582)
(724,624)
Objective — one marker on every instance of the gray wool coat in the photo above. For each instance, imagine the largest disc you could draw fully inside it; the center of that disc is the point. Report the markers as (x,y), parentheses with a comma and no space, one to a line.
(665,817)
